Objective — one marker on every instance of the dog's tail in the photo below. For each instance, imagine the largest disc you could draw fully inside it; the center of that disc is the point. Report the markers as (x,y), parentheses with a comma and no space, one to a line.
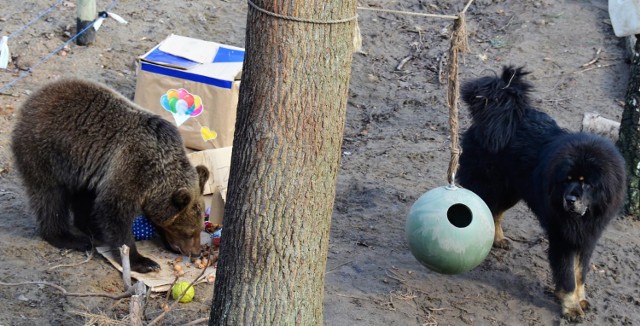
(497,105)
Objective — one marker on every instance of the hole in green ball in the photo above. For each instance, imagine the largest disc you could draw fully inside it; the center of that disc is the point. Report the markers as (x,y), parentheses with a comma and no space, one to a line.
(459,215)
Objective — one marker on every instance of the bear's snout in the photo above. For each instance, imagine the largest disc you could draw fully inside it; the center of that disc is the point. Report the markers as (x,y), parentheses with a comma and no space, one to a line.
(188,245)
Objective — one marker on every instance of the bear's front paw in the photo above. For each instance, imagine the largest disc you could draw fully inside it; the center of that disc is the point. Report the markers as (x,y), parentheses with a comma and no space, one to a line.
(144,265)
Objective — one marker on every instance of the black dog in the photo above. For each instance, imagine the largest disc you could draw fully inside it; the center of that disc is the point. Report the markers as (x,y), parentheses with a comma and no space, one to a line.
(573,182)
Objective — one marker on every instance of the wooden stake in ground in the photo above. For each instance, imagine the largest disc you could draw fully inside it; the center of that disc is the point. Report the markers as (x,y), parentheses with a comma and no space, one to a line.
(86,13)
(286,155)
(138,290)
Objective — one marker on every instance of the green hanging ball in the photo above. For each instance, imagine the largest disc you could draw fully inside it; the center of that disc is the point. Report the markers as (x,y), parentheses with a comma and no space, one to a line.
(450,230)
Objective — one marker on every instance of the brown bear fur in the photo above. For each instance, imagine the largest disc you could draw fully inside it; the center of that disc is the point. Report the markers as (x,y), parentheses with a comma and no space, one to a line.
(85,153)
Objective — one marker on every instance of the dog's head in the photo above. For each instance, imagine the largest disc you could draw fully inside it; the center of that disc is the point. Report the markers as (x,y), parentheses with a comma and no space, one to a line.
(576,194)
(588,176)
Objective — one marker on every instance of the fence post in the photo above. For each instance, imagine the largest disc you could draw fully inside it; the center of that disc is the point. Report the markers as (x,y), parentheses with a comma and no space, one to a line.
(86,13)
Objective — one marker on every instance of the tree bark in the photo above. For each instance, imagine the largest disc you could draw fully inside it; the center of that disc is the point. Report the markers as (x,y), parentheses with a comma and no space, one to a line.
(286,155)
(629,139)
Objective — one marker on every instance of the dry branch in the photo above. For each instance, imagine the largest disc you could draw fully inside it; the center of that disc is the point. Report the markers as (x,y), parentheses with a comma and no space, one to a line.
(197,321)
(89,257)
(594,60)
(71,294)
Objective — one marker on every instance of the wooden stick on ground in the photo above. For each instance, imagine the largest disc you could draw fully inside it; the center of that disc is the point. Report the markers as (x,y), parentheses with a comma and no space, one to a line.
(594,60)
(89,256)
(138,290)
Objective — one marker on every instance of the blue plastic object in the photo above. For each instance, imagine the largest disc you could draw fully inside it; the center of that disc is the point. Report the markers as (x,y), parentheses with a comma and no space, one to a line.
(143,229)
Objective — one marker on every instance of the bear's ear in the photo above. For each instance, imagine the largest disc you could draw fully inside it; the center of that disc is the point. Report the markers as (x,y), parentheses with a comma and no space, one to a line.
(203,176)
(181,198)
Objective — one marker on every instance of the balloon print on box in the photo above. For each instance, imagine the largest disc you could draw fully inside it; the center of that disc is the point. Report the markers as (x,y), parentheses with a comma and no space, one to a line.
(182,104)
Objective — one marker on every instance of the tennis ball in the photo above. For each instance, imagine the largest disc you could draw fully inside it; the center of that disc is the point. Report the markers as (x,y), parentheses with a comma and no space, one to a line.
(177,290)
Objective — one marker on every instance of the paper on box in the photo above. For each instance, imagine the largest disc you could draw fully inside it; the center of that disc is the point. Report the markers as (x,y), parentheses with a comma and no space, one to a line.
(218,161)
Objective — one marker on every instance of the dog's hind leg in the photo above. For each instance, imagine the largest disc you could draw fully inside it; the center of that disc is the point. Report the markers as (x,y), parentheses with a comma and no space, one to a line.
(499,241)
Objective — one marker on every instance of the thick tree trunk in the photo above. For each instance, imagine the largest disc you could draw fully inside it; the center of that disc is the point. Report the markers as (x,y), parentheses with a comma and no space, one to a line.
(629,140)
(285,161)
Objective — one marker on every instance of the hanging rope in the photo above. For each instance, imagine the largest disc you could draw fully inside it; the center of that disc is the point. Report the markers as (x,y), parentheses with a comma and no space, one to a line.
(458,44)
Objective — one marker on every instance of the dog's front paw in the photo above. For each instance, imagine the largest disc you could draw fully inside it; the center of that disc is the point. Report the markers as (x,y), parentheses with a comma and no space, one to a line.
(585,305)
(502,244)
(574,314)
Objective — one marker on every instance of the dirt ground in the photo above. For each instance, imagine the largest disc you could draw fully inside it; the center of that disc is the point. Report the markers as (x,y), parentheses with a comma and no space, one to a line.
(395,148)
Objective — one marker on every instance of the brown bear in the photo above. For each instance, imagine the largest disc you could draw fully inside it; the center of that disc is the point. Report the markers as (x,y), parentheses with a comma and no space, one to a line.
(89,155)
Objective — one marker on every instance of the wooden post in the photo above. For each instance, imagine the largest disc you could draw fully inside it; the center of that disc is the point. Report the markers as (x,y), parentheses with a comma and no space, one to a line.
(86,13)
(138,290)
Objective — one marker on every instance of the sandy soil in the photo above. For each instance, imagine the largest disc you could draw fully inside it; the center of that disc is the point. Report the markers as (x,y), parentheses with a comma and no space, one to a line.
(395,149)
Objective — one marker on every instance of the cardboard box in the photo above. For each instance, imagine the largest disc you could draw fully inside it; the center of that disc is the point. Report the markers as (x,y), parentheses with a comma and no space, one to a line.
(218,161)
(194,84)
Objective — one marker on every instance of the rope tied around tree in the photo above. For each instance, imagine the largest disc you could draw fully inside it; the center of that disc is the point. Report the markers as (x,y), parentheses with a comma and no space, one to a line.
(459,44)
(357,37)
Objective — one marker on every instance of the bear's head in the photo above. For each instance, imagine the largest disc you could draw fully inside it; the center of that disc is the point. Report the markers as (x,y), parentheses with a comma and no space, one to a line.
(181,231)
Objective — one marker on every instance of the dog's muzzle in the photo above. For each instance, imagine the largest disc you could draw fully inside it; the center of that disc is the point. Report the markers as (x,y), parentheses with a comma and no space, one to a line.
(573,204)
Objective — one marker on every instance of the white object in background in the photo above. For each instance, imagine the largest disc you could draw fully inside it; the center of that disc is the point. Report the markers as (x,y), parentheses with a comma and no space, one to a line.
(4,52)
(625,17)
(117,17)
(101,19)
